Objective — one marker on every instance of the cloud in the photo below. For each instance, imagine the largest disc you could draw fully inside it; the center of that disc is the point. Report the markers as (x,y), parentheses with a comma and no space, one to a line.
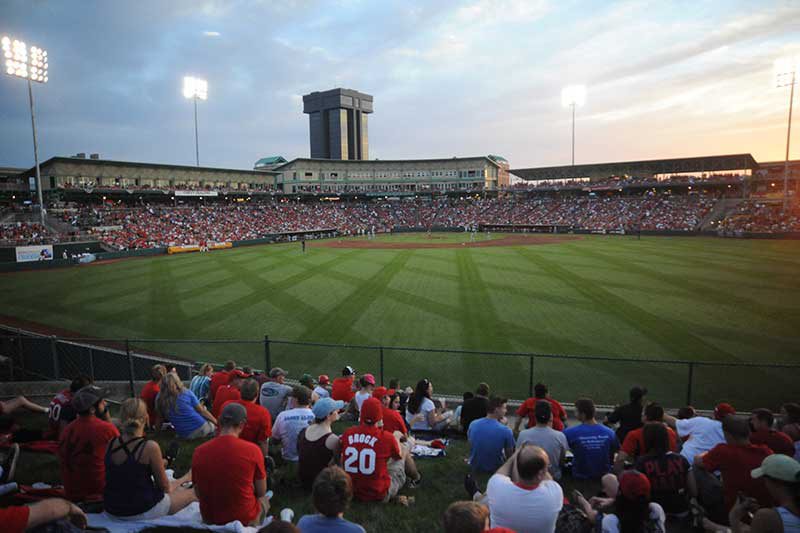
(212,33)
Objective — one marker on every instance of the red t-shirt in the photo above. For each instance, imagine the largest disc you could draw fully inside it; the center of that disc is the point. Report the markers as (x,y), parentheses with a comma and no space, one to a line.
(224,470)
(633,445)
(217,380)
(82,451)
(393,421)
(15,519)
(342,389)
(528,406)
(57,405)
(223,395)
(735,463)
(148,395)
(365,452)
(259,422)
(777,441)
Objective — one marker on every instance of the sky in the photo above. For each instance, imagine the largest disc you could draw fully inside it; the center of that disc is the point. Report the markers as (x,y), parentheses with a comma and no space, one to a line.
(477,77)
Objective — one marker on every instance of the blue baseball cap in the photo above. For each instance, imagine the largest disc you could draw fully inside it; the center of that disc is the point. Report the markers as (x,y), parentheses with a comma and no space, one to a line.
(326,406)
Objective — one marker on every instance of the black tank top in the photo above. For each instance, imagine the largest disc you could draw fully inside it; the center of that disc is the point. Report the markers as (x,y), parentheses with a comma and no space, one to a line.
(314,456)
(130,487)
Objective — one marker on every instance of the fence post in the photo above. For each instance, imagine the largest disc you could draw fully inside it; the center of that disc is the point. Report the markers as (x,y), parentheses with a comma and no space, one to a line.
(54,352)
(91,363)
(689,386)
(530,376)
(381,348)
(267,355)
(130,367)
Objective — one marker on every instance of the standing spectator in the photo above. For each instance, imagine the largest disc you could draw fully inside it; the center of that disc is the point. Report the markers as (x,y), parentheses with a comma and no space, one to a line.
(761,421)
(781,475)
(323,389)
(331,494)
(274,393)
(258,428)
(421,413)
(701,433)
(668,472)
(634,445)
(228,392)
(292,421)
(343,386)
(202,382)
(219,379)
(629,416)
(559,415)
(392,421)
(150,392)
(592,444)
(183,410)
(82,447)
(61,411)
(491,442)
(545,437)
(228,474)
(475,407)
(317,444)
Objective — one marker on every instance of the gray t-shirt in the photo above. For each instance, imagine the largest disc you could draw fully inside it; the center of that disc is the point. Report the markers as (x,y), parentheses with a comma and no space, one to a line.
(273,397)
(551,441)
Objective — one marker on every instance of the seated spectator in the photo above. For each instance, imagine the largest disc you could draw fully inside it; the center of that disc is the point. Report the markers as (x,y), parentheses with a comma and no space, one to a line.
(275,393)
(323,389)
(468,395)
(150,392)
(421,413)
(183,410)
(228,474)
(629,510)
(367,385)
(629,416)
(229,391)
(307,381)
(701,433)
(790,424)
(317,444)
(466,517)
(634,445)
(61,411)
(292,421)
(392,421)
(8,407)
(258,428)
(137,487)
(545,437)
(18,519)
(592,444)
(761,421)
(331,494)
(491,442)
(219,379)
(668,472)
(82,447)
(781,475)
(559,415)
(202,382)
(476,407)
(343,386)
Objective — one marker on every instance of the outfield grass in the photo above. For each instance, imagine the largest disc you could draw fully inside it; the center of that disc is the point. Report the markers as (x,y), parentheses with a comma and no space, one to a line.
(676,298)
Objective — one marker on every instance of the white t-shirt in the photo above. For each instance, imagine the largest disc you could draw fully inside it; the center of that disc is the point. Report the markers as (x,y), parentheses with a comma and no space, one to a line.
(287,428)
(521,509)
(611,522)
(424,410)
(322,392)
(704,433)
(360,397)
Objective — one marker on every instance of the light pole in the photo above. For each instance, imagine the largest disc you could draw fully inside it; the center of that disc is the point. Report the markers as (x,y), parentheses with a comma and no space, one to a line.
(195,88)
(573,96)
(786,75)
(31,65)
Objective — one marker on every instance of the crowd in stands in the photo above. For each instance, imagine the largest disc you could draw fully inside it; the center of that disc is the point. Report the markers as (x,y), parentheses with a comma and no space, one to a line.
(727,472)
(24,233)
(631,181)
(760,217)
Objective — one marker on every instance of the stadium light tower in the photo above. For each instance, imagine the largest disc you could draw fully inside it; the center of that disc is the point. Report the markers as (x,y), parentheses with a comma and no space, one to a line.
(573,96)
(786,76)
(195,88)
(29,64)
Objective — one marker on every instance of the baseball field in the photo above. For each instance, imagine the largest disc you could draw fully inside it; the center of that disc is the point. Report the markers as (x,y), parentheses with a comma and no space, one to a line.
(672,298)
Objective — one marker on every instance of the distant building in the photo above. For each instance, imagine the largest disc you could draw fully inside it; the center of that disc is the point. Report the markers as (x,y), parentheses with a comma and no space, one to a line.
(269,163)
(337,121)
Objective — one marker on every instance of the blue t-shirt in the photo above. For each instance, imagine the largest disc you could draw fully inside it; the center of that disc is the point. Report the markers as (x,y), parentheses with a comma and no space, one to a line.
(593,446)
(184,416)
(316,523)
(200,385)
(488,438)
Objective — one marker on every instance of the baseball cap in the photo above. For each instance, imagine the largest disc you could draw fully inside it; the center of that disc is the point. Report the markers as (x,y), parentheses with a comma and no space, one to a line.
(277,371)
(326,406)
(780,467)
(87,397)
(379,392)
(369,378)
(323,379)
(634,485)
(723,409)
(236,373)
(371,411)
(348,371)
(233,414)
(307,380)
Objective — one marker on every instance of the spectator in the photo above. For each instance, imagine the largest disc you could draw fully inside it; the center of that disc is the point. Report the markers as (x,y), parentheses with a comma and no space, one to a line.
(343,386)
(790,424)
(202,382)
(468,395)
(545,437)
(781,475)
(630,510)
(275,393)
(559,415)
(331,494)
(317,444)
(592,444)
(229,391)
(137,487)
(83,444)
(634,445)
(367,384)
(219,379)
(761,421)
(292,421)
(307,381)
(476,407)
(61,411)
(229,476)
(421,414)
(668,472)
(392,421)
(466,517)
(629,416)
(258,428)
(18,519)
(279,526)
(491,442)
(20,402)
(702,433)
(323,389)
(183,410)
(150,392)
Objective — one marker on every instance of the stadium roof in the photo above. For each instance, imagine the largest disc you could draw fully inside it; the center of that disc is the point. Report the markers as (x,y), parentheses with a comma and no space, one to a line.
(136,164)
(649,167)
(378,161)
(273,160)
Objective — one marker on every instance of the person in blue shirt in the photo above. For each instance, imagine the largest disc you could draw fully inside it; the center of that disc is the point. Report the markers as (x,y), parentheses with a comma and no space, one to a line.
(491,441)
(331,494)
(592,444)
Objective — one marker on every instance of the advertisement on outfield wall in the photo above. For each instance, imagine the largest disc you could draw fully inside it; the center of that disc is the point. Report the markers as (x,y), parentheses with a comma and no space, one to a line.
(42,252)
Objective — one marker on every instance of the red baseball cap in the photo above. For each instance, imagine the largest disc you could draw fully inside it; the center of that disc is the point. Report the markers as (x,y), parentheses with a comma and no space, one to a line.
(379,392)
(236,373)
(369,378)
(723,409)
(634,485)
(371,411)
(323,379)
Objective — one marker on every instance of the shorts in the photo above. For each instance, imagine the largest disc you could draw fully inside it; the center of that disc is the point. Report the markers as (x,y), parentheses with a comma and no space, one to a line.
(203,431)
(397,473)
(159,510)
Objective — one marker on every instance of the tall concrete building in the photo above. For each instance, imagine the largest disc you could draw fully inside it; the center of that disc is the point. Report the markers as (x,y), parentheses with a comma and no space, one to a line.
(338,123)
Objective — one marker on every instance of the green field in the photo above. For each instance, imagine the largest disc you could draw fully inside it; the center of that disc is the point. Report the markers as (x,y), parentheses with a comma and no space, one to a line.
(691,299)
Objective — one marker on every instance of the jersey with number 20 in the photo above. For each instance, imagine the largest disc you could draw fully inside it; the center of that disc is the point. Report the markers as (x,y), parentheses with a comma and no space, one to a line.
(365,451)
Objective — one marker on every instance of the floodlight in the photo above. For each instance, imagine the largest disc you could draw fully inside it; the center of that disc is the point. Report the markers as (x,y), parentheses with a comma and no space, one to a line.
(786,70)
(195,88)
(573,95)
(24,62)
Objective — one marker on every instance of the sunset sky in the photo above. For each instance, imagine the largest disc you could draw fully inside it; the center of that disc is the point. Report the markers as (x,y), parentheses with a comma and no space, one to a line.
(664,79)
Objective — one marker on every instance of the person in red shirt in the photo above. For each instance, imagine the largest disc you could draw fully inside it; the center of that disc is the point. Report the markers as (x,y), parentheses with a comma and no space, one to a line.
(228,392)
(18,519)
(761,421)
(219,379)
(229,475)
(392,419)
(633,446)
(150,392)
(528,409)
(367,451)
(82,447)
(258,428)
(342,389)
(61,412)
